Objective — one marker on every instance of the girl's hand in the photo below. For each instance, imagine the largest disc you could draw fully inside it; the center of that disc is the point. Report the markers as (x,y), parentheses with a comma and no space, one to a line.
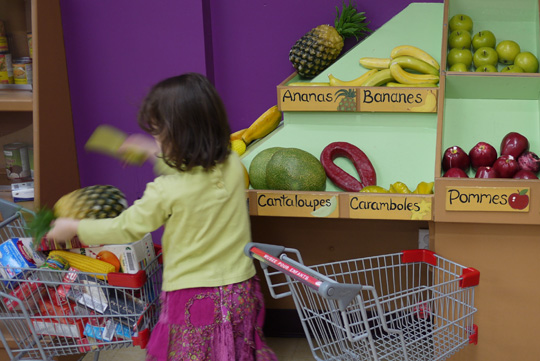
(63,229)
(145,146)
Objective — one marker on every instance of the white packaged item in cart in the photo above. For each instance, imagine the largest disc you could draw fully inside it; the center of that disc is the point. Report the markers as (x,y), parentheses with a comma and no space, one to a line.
(17,254)
(128,258)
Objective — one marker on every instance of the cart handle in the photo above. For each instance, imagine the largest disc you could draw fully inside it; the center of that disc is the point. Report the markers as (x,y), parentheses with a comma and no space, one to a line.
(273,256)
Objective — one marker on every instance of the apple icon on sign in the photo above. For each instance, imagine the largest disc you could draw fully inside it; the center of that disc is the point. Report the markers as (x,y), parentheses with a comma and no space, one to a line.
(519,200)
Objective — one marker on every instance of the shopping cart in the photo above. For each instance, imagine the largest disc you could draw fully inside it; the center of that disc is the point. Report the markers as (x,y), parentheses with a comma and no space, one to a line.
(409,306)
(46,313)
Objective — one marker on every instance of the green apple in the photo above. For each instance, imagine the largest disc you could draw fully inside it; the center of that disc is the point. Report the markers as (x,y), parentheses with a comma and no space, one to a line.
(484,38)
(527,61)
(460,22)
(512,69)
(459,67)
(487,69)
(457,55)
(507,51)
(459,39)
(485,56)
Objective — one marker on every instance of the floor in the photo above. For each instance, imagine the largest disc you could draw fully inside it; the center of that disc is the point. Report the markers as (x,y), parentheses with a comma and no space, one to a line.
(286,349)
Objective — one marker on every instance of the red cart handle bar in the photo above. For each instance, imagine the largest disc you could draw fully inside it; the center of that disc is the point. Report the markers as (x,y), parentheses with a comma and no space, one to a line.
(269,255)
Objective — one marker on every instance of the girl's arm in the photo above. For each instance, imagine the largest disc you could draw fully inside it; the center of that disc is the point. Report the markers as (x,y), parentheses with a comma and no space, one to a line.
(64,229)
(141,143)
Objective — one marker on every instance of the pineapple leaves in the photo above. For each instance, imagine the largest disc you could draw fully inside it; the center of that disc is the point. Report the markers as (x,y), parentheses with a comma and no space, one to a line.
(351,22)
(40,225)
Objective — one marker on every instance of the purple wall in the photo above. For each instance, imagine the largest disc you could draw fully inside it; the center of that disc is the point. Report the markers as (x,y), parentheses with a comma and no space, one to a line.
(116,49)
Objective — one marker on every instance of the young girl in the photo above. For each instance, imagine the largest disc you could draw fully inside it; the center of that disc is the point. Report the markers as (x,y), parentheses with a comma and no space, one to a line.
(212,306)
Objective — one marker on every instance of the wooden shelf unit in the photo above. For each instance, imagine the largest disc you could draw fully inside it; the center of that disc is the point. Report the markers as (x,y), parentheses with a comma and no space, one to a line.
(42,117)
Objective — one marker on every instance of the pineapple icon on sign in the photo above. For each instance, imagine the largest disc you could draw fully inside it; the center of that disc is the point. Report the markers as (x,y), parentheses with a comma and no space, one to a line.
(347,100)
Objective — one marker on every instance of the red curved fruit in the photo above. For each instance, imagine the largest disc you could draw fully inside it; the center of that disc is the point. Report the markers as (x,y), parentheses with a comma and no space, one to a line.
(338,176)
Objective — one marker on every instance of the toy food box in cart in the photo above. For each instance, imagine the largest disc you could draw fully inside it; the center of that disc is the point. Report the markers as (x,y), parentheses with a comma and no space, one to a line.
(47,312)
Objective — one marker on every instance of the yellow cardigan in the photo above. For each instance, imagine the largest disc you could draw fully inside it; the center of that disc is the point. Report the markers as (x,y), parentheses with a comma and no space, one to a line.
(206,225)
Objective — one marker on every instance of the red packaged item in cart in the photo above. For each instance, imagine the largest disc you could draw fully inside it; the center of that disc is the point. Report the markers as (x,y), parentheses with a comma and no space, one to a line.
(58,319)
(29,293)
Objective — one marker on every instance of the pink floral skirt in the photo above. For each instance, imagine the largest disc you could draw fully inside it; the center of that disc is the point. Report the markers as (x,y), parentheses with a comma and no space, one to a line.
(211,324)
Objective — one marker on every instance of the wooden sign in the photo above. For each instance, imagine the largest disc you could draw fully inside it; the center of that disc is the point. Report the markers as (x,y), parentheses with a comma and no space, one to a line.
(317,98)
(385,99)
(321,205)
(402,207)
(357,99)
(488,199)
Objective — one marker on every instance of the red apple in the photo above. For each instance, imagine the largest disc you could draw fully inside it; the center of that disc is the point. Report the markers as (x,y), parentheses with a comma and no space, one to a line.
(455,157)
(525,174)
(482,155)
(514,144)
(529,161)
(519,200)
(486,172)
(506,166)
(455,173)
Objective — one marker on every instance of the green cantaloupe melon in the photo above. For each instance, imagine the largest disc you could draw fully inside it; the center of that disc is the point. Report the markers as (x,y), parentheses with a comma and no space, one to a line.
(295,170)
(257,168)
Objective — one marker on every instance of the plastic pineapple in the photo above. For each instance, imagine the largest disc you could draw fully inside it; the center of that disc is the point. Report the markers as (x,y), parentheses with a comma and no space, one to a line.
(320,47)
(99,201)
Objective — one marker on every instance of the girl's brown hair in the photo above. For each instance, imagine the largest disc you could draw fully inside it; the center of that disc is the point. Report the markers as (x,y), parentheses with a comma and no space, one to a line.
(188,117)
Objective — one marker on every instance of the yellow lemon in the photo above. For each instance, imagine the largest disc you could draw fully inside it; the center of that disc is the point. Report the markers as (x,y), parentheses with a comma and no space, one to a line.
(238,146)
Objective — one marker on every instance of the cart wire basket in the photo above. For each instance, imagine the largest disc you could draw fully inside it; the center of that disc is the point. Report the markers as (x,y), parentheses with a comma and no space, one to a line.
(413,305)
(46,313)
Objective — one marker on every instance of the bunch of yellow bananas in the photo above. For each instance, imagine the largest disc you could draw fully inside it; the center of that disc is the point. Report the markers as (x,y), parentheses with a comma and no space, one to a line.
(393,71)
